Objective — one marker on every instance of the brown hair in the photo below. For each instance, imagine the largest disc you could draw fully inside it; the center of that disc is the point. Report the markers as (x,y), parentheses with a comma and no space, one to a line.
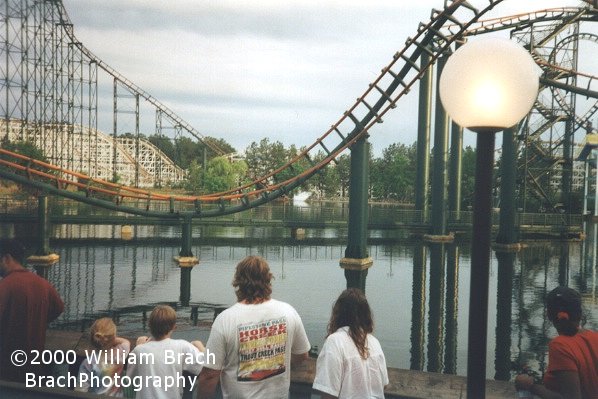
(103,333)
(563,307)
(162,321)
(252,280)
(13,248)
(352,310)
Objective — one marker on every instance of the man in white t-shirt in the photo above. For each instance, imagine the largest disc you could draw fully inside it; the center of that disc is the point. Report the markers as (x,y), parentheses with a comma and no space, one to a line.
(254,341)
(157,364)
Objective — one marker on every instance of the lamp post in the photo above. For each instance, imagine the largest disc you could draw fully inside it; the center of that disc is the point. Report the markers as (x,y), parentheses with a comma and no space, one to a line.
(487,85)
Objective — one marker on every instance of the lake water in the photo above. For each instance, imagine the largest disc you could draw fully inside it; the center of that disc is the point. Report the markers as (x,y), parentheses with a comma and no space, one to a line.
(418,293)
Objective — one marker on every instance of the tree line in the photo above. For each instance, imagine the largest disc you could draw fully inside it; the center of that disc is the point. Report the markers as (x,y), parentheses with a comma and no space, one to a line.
(392,174)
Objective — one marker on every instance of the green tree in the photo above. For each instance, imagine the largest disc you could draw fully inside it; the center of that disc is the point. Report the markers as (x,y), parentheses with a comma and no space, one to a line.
(130,135)
(222,175)
(164,144)
(25,148)
(393,175)
(343,171)
(194,180)
(183,150)
(265,157)
(187,150)
(326,182)
(219,144)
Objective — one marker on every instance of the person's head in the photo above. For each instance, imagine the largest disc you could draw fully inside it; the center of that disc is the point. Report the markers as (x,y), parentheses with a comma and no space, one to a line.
(352,310)
(162,321)
(563,307)
(252,280)
(12,254)
(103,333)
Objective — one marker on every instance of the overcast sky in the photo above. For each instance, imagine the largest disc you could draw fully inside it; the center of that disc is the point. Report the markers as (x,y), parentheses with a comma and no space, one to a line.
(243,70)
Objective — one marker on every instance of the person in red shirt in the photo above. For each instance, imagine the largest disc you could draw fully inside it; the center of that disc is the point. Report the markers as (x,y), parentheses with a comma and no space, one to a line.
(27,304)
(572,356)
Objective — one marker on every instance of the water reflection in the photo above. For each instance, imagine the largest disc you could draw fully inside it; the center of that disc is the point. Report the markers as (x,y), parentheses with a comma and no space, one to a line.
(418,307)
(452,308)
(413,289)
(436,308)
(504,304)
(442,308)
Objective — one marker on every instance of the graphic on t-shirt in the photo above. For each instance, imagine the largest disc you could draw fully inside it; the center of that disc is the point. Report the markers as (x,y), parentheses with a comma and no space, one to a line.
(262,348)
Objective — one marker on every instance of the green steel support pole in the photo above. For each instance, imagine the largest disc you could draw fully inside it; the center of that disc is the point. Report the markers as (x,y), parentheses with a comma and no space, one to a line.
(114,128)
(455,167)
(358,201)
(358,214)
(507,231)
(356,278)
(586,184)
(502,365)
(186,238)
(185,285)
(43,247)
(567,167)
(423,140)
(441,124)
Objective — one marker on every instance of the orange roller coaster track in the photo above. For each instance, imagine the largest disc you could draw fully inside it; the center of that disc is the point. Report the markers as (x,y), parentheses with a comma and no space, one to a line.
(433,39)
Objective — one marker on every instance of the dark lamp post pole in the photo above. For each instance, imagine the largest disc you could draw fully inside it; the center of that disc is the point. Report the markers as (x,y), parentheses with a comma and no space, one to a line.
(480,265)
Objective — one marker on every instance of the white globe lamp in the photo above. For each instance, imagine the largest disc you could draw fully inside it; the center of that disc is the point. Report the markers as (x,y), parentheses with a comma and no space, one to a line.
(489,83)
(486,86)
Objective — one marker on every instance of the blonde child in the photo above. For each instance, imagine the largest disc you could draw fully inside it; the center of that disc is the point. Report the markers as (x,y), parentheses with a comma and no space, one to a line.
(107,361)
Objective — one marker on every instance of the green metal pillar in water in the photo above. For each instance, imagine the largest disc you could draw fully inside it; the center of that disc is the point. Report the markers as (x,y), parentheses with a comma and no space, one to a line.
(43,216)
(186,239)
(186,261)
(185,296)
(567,178)
(186,258)
(423,140)
(357,261)
(455,163)
(507,232)
(441,125)
(43,258)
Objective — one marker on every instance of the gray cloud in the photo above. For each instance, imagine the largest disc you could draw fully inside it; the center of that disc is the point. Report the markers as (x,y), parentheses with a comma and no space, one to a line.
(241,70)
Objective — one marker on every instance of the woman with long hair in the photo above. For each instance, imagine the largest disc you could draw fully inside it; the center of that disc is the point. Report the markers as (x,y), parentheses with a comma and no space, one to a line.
(572,356)
(351,363)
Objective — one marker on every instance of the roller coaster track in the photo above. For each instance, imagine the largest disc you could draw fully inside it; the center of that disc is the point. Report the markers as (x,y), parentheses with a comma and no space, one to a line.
(133,88)
(556,78)
(432,40)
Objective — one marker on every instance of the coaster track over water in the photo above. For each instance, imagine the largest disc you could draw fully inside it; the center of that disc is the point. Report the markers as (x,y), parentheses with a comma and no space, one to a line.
(48,103)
